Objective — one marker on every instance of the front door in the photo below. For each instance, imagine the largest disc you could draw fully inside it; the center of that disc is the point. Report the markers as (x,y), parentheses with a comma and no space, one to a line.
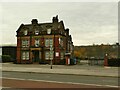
(36,56)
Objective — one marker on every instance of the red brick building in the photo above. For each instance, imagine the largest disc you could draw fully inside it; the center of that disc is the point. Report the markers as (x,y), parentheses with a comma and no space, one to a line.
(42,42)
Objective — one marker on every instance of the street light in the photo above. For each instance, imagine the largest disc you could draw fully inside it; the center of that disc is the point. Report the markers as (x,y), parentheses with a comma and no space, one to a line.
(117,44)
(51,52)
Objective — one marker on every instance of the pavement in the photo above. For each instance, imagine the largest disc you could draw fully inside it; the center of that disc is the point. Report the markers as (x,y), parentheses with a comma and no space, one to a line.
(62,69)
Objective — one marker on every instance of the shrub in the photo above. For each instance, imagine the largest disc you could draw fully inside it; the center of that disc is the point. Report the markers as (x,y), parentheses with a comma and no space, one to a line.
(114,62)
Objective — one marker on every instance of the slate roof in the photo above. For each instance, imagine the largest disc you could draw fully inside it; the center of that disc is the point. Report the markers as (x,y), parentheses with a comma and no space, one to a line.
(41,26)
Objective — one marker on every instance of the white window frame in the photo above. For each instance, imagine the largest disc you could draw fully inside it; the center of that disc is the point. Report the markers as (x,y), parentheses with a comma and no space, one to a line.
(36,32)
(48,42)
(48,55)
(61,41)
(25,55)
(25,43)
(25,32)
(61,55)
(51,42)
(37,42)
(49,31)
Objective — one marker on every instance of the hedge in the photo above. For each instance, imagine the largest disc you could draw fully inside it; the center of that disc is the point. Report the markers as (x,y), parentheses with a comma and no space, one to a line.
(6,58)
(114,62)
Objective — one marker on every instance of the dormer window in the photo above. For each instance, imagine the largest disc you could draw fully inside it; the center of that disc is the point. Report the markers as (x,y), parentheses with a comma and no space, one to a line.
(49,31)
(25,32)
(61,41)
(58,26)
(61,32)
(65,34)
(36,32)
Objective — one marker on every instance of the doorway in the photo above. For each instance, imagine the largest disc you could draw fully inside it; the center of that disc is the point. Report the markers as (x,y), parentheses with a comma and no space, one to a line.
(36,56)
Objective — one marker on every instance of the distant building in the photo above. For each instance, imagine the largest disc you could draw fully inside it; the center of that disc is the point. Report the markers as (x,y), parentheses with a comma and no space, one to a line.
(8,50)
(41,42)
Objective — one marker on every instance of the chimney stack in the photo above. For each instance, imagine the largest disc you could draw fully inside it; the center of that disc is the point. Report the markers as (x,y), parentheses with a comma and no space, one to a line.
(55,19)
(34,21)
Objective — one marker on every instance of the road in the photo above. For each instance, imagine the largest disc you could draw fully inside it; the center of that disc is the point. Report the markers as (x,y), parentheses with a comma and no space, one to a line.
(55,80)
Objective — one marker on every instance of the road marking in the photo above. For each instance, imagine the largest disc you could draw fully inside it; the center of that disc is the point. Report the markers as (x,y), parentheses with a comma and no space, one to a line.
(61,82)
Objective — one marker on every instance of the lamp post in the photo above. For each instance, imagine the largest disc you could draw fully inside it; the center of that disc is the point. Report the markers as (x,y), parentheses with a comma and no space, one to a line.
(51,52)
(117,44)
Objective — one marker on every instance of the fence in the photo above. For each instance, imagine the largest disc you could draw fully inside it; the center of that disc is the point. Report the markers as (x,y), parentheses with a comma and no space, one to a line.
(96,62)
(111,62)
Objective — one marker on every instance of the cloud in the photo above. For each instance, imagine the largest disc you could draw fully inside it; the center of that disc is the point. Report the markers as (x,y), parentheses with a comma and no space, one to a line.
(89,22)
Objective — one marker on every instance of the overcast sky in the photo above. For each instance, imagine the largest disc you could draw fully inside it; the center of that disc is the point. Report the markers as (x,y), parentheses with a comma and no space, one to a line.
(89,22)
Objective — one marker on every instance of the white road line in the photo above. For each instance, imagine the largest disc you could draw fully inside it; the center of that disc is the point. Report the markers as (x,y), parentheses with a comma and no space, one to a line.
(60,82)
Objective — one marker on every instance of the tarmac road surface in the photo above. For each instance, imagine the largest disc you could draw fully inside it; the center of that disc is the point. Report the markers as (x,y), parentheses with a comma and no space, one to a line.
(38,84)
(38,80)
